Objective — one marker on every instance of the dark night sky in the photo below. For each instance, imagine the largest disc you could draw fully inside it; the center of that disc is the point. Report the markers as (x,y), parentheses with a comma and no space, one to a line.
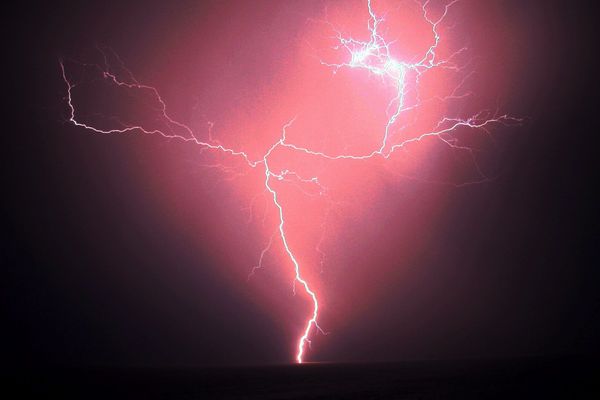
(91,276)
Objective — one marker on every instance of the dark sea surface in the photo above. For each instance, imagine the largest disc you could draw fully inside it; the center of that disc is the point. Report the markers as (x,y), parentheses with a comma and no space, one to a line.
(566,378)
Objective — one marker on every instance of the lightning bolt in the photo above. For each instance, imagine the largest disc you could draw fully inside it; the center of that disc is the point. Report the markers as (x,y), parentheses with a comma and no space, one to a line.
(373,56)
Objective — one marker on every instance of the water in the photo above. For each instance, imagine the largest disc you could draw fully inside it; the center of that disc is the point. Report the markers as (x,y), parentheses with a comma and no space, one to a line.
(506,379)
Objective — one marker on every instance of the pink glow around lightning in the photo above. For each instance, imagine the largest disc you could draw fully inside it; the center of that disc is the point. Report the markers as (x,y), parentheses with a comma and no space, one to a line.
(374,57)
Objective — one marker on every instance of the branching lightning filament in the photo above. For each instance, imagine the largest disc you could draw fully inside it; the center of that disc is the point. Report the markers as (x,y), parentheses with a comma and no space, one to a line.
(373,56)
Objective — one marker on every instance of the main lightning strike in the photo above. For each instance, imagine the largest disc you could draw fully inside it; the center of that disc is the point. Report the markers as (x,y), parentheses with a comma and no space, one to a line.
(375,57)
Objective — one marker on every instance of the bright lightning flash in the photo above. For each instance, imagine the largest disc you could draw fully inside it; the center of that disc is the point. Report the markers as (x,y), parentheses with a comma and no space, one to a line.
(375,57)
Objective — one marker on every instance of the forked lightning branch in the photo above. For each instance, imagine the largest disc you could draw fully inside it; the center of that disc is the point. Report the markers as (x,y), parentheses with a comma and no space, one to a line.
(374,57)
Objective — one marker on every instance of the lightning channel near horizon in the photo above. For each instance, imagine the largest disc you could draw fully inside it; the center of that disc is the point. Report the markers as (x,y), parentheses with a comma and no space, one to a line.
(372,56)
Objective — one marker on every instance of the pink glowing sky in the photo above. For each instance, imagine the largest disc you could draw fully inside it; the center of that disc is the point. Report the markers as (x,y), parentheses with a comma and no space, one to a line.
(236,73)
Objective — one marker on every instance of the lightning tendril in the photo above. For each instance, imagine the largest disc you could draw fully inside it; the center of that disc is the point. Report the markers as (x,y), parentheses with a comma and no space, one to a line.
(373,56)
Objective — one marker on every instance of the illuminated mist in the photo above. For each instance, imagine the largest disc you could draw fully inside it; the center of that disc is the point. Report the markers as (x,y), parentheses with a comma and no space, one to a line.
(361,96)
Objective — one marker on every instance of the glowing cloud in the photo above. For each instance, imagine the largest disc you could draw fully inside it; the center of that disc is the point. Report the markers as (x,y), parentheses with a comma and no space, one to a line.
(402,80)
